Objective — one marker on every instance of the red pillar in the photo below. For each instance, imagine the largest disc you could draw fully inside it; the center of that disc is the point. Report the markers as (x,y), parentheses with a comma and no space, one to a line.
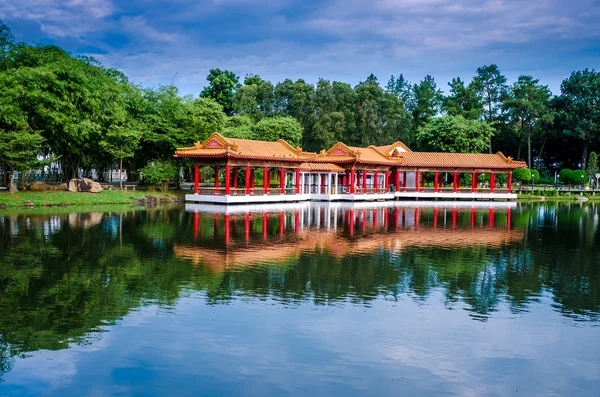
(455,181)
(323,188)
(216,179)
(473,182)
(510,182)
(227,180)
(492,182)
(435,182)
(297,180)
(247,180)
(345,180)
(266,180)
(364,176)
(196,178)
(235,178)
(376,181)
(387,181)
(352,172)
(397,182)
(417,181)
(252,178)
(282,181)
(404,181)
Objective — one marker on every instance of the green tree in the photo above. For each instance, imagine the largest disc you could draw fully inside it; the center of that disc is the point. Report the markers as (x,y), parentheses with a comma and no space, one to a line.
(19,151)
(522,174)
(255,98)
(297,100)
(564,175)
(463,100)
(577,177)
(579,110)
(527,104)
(122,142)
(274,128)
(592,166)
(7,41)
(399,87)
(425,102)
(158,173)
(455,134)
(222,86)
(490,84)
(239,127)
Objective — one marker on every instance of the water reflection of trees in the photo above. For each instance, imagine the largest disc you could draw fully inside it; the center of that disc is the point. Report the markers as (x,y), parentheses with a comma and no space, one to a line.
(63,277)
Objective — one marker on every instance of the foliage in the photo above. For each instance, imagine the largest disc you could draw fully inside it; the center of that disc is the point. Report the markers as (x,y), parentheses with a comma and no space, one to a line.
(577,177)
(272,129)
(564,175)
(522,174)
(425,102)
(222,87)
(535,175)
(592,166)
(455,134)
(18,151)
(491,85)
(463,100)
(158,173)
(239,127)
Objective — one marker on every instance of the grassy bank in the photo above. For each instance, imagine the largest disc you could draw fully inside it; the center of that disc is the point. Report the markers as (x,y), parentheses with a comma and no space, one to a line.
(26,198)
(571,198)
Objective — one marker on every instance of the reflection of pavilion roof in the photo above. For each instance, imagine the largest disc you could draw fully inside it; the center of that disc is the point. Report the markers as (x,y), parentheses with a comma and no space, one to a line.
(219,259)
(217,146)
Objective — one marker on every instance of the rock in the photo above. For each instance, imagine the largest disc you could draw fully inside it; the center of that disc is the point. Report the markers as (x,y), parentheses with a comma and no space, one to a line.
(38,187)
(13,189)
(3,206)
(581,198)
(61,186)
(28,204)
(84,185)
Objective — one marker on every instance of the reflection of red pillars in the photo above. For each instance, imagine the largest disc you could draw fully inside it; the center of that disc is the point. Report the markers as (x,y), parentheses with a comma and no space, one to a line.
(435,218)
(491,218)
(196,178)
(473,182)
(472,217)
(453,217)
(297,222)
(403,217)
(282,181)
(364,221)
(297,180)
(416,217)
(195,224)
(405,181)
(417,175)
(435,182)
(455,181)
(508,218)
(233,221)
(247,180)
(396,216)
(351,221)
(264,225)
(247,226)
(235,178)
(385,219)
(227,180)
(281,221)
(227,233)
(216,179)
(510,182)
(375,219)
(216,226)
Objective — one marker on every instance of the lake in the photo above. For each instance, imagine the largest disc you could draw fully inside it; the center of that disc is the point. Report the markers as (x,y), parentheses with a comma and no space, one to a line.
(379,299)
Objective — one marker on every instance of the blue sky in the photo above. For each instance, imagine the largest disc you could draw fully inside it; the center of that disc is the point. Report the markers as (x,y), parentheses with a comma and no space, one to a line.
(346,40)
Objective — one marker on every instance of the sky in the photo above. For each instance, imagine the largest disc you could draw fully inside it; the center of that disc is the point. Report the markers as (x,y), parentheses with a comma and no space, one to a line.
(178,41)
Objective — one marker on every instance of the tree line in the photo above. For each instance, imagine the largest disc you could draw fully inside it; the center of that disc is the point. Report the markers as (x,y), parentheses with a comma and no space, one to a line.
(71,110)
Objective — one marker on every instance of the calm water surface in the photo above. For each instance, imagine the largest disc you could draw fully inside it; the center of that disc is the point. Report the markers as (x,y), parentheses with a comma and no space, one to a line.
(317,300)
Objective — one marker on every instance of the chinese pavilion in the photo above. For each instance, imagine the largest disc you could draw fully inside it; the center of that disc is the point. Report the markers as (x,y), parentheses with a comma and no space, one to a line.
(250,171)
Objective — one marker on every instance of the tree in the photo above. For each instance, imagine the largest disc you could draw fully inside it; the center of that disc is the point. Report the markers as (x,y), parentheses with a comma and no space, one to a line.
(122,142)
(455,134)
(158,173)
(527,105)
(239,127)
(222,87)
(7,41)
(592,166)
(297,100)
(579,110)
(19,151)
(272,129)
(399,87)
(463,100)
(522,174)
(577,177)
(425,103)
(490,84)
(564,175)
(255,98)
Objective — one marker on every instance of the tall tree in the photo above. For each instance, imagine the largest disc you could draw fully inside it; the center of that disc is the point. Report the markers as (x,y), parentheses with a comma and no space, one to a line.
(274,128)
(7,41)
(463,100)
(18,152)
(255,98)
(400,87)
(222,87)
(490,84)
(455,134)
(121,142)
(425,102)
(579,109)
(297,100)
(592,167)
(527,104)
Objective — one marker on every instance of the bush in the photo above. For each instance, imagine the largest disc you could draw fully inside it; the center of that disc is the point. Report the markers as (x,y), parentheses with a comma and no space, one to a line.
(158,173)
(577,177)
(522,174)
(536,175)
(564,174)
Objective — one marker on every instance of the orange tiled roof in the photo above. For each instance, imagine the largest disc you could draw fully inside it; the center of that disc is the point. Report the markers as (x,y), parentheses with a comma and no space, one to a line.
(325,167)
(387,149)
(341,153)
(218,146)
(459,160)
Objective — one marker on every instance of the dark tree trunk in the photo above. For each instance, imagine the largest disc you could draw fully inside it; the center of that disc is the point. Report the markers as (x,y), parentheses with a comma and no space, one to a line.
(584,155)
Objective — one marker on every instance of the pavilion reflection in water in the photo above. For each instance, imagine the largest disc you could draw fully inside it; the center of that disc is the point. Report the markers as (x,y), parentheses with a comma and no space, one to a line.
(246,236)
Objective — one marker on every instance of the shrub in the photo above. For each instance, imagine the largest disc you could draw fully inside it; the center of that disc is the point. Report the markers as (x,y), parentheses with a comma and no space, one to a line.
(158,173)
(536,175)
(564,174)
(522,174)
(577,177)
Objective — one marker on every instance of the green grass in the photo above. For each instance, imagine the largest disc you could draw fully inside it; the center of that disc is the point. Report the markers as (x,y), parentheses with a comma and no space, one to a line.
(64,197)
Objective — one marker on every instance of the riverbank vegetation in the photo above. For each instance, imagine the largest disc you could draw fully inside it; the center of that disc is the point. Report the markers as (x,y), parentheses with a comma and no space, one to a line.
(74,112)
(66,198)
